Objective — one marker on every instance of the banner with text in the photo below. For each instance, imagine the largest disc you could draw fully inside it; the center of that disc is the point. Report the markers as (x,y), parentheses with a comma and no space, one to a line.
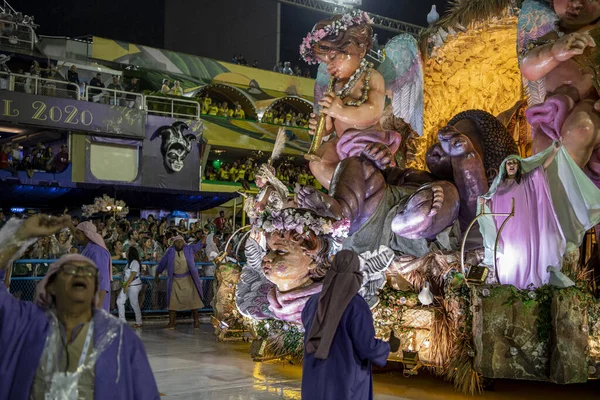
(71,114)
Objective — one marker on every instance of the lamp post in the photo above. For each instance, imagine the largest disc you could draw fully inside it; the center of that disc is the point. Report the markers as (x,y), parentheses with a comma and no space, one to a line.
(114,209)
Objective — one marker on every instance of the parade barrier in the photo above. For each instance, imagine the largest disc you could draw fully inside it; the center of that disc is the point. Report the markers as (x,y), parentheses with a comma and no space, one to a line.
(27,273)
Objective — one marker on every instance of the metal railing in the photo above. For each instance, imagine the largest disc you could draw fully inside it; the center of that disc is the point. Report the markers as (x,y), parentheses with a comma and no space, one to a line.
(27,273)
(34,84)
(172,107)
(114,97)
(17,34)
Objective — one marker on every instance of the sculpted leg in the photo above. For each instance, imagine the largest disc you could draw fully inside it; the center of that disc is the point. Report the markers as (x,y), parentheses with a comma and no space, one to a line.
(323,170)
(581,132)
(357,187)
(428,211)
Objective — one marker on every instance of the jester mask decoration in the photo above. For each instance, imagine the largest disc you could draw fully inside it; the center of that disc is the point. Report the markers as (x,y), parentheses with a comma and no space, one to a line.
(175,145)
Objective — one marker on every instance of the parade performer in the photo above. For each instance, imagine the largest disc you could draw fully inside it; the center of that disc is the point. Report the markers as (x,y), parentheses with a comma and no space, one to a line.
(340,343)
(555,203)
(95,249)
(183,291)
(104,359)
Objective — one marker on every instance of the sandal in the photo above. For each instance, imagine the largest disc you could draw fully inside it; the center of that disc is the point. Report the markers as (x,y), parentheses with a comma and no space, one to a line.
(136,326)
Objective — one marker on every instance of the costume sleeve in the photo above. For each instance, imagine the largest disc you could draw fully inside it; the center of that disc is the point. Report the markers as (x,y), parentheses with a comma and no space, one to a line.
(196,247)
(144,384)
(162,265)
(362,333)
(102,259)
(15,316)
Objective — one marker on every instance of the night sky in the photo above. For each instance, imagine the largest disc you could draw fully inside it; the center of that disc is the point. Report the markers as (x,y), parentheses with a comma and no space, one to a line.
(142,21)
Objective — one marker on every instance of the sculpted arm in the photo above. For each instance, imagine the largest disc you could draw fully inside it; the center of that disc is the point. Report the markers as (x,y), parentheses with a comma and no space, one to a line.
(542,60)
(367,114)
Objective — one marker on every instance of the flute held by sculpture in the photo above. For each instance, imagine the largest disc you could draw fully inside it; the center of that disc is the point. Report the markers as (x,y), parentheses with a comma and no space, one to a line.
(318,137)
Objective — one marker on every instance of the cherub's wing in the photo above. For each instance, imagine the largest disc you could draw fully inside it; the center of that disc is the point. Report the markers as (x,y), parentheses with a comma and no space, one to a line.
(536,19)
(321,85)
(402,71)
(253,287)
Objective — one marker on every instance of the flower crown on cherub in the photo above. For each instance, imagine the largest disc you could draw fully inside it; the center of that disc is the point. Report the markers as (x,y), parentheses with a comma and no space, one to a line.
(353,18)
(302,221)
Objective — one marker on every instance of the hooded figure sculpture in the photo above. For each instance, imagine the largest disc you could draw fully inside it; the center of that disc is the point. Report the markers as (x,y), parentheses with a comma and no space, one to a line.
(175,145)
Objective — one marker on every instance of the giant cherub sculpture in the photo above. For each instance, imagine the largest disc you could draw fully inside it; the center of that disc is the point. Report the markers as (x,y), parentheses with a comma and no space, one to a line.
(288,267)
(351,93)
(558,59)
(376,219)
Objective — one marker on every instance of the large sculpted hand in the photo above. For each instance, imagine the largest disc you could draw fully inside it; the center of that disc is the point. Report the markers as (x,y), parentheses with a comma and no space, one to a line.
(380,154)
(42,225)
(571,45)
(311,199)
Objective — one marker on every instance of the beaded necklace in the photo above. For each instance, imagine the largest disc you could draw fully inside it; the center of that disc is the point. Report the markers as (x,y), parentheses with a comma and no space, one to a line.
(365,67)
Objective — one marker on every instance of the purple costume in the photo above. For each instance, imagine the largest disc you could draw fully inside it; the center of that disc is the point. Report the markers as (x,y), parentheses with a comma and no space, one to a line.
(346,373)
(553,210)
(122,370)
(101,258)
(527,248)
(168,263)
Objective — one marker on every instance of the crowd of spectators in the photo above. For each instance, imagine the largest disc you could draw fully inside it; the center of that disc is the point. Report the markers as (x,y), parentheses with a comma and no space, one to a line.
(38,158)
(240,60)
(221,109)
(282,68)
(285,116)
(281,115)
(150,236)
(245,171)
(286,68)
(16,29)
(52,84)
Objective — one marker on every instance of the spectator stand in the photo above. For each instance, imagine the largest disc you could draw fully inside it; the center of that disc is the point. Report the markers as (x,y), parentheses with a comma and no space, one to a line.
(27,273)
(294,110)
(219,93)
(114,97)
(33,84)
(16,30)
(171,106)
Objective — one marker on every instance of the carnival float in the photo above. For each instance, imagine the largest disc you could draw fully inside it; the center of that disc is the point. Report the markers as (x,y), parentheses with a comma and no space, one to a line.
(465,174)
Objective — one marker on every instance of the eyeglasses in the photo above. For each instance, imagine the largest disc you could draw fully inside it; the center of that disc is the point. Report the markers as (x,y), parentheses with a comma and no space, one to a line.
(85,270)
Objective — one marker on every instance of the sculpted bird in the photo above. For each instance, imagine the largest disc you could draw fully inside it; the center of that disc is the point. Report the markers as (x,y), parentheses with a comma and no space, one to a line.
(433,16)
(425,296)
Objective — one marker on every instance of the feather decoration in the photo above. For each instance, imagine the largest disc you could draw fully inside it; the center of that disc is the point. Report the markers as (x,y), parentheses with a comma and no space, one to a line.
(402,72)
(536,91)
(278,146)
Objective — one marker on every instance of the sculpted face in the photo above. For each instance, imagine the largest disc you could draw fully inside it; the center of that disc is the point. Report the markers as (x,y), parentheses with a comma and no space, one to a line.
(577,13)
(287,263)
(175,158)
(340,64)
